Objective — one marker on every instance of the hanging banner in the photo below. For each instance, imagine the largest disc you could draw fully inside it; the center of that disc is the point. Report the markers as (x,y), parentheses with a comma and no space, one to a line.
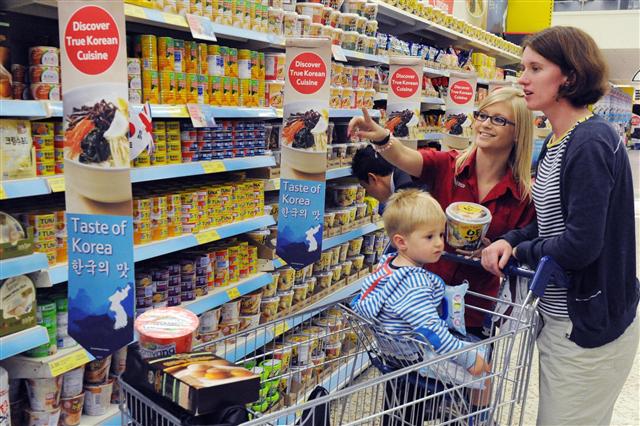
(405,93)
(304,139)
(97,177)
(460,101)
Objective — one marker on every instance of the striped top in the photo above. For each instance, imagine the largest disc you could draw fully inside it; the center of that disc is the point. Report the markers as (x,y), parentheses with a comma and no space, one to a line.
(546,198)
(406,299)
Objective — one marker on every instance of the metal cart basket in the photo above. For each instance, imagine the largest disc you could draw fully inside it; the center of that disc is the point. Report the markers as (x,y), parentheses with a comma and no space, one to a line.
(409,384)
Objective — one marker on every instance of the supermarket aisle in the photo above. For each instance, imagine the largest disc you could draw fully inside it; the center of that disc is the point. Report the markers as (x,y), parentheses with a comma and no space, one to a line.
(627,410)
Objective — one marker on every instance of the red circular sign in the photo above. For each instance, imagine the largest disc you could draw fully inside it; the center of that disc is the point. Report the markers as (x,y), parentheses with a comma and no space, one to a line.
(635,120)
(405,82)
(461,92)
(91,40)
(307,73)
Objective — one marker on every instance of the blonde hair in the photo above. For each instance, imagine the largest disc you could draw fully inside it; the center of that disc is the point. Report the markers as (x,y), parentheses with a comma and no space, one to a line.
(409,208)
(520,158)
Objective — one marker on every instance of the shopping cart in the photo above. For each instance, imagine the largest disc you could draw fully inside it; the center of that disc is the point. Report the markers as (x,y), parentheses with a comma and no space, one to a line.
(409,384)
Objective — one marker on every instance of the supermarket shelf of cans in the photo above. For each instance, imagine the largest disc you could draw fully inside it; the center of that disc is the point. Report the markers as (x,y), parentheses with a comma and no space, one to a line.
(23,265)
(21,341)
(30,109)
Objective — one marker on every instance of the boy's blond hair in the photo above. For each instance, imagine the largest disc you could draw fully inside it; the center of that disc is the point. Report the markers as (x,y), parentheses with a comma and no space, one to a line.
(409,208)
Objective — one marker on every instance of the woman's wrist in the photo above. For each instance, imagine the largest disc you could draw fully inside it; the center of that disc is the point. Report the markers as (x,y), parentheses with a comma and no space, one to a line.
(384,140)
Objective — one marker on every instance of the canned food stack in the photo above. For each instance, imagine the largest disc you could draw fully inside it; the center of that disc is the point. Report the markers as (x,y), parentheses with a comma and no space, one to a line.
(44,233)
(19,82)
(44,73)
(61,236)
(43,137)
(159,219)
(158,155)
(58,145)
(174,150)
(134,77)
(141,220)
(146,48)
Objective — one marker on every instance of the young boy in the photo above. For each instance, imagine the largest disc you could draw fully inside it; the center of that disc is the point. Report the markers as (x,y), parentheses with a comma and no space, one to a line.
(403,296)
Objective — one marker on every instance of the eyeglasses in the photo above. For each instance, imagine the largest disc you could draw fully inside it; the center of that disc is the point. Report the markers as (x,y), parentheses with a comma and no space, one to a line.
(497,120)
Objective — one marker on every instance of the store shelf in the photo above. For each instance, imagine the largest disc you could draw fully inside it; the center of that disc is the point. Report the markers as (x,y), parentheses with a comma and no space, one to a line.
(222,295)
(144,174)
(347,236)
(30,109)
(247,345)
(365,57)
(338,172)
(23,367)
(110,418)
(24,188)
(180,111)
(424,99)
(23,265)
(433,72)
(410,23)
(21,341)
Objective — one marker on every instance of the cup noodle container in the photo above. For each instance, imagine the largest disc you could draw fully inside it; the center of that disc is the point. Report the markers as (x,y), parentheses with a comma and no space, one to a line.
(44,394)
(119,361)
(97,372)
(4,395)
(42,418)
(72,382)
(71,410)
(97,399)
(312,10)
(165,331)
(467,224)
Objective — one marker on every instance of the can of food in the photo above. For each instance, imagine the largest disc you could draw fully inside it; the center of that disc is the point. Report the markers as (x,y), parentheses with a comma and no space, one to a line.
(18,73)
(167,87)
(203,89)
(44,74)
(181,88)
(215,90)
(191,56)
(44,55)
(166,54)
(134,66)
(45,91)
(150,86)
(178,55)
(274,66)
(231,64)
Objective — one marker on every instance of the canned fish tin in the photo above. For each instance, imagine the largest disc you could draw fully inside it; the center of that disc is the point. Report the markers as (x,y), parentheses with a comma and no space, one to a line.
(45,91)
(44,74)
(167,87)
(134,66)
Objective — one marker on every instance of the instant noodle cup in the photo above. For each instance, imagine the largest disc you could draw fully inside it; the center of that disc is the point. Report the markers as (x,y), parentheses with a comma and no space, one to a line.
(361,22)
(275,93)
(249,321)
(336,270)
(331,327)
(337,35)
(350,40)
(274,66)
(348,22)
(71,410)
(291,27)
(369,95)
(335,97)
(368,244)
(97,372)
(300,292)
(324,280)
(276,21)
(370,45)
(40,418)
(304,23)
(352,213)
(315,30)
(300,349)
(355,6)
(270,289)
(344,249)
(371,28)
(165,331)
(346,268)
(286,279)
(348,98)
(337,69)
(359,97)
(44,394)
(269,308)
(467,224)
(370,11)
(72,382)
(311,285)
(357,262)
(209,321)
(312,10)
(286,300)
(335,255)
(230,311)
(329,218)
(250,303)
(97,398)
(230,328)
(344,195)
(300,275)
(342,217)
(283,353)
(333,350)
(326,15)
(325,260)
(361,210)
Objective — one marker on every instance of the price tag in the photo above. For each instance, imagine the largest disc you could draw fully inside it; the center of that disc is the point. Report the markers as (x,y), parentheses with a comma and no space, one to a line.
(134,11)
(201,27)
(215,166)
(280,329)
(233,293)
(201,115)
(207,236)
(338,53)
(68,362)
(3,195)
(173,19)
(56,184)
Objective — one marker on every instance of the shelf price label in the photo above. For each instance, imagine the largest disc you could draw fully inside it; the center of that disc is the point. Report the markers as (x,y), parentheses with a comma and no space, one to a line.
(207,236)
(201,27)
(233,293)
(134,11)
(201,115)
(68,362)
(280,329)
(276,184)
(3,194)
(215,166)
(56,184)
(338,53)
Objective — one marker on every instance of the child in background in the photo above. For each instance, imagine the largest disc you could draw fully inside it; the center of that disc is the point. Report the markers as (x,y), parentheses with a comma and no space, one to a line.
(401,295)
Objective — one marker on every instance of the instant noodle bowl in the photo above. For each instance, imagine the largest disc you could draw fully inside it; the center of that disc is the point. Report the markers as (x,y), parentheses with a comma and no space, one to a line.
(286,300)
(249,321)
(467,224)
(71,410)
(275,93)
(72,382)
(300,349)
(333,350)
(312,10)
(44,394)
(209,321)
(286,279)
(371,28)
(322,264)
(231,311)
(97,372)
(336,270)
(269,308)
(41,418)
(311,285)
(97,398)
(331,327)
(270,289)
(348,23)
(329,218)
(300,292)
(230,328)
(324,280)
(344,195)
(283,353)
(335,97)
(250,304)
(361,210)
(342,217)
(165,331)
(357,262)
(44,55)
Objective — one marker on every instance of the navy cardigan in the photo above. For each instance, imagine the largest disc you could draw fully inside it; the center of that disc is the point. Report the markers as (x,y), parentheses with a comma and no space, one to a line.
(597,247)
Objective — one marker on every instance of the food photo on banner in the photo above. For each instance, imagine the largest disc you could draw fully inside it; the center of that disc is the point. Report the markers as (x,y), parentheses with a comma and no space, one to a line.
(459,105)
(304,140)
(403,100)
(97,176)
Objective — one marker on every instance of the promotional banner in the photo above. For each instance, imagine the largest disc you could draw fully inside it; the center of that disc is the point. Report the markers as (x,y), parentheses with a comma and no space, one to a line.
(460,100)
(304,138)
(97,177)
(405,93)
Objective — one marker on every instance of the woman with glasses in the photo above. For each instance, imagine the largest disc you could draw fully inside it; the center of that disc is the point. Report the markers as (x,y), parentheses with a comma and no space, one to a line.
(494,171)
(584,202)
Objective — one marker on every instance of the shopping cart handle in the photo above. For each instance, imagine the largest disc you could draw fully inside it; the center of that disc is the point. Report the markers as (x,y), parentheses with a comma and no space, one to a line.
(511,269)
(548,270)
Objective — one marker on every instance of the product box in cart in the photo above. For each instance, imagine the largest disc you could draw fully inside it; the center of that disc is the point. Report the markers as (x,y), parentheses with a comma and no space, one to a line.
(198,382)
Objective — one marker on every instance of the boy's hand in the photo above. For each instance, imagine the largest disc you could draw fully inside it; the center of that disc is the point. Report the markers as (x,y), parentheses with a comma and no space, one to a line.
(480,367)
(474,360)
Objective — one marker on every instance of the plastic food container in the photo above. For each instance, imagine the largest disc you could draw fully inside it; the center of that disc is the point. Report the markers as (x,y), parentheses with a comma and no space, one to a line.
(97,398)
(301,275)
(162,327)
(348,98)
(361,22)
(350,40)
(370,10)
(44,55)
(344,250)
(300,349)
(311,285)
(118,361)
(229,328)
(318,362)
(332,327)
(97,372)
(286,300)
(71,410)
(291,28)
(335,97)
(336,36)
(335,256)
(315,333)
(275,93)
(371,28)
(322,264)
(312,10)
(344,195)
(329,219)
(333,350)
(300,292)
(249,321)
(360,194)
(326,15)
(269,308)
(342,217)
(334,18)
(369,95)
(270,289)
(275,19)
(230,311)
(324,280)
(304,24)
(315,30)
(368,244)
(72,382)
(355,6)
(369,45)
(352,213)
(346,268)
(250,303)
(357,262)
(44,394)
(283,353)
(361,210)
(337,273)
(467,224)
(287,279)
